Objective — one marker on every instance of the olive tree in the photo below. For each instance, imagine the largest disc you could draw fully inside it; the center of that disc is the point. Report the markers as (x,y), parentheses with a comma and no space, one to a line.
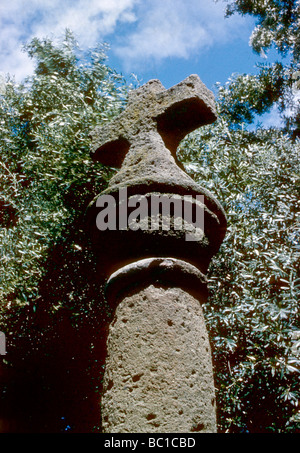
(50,300)
(276,83)
(253,309)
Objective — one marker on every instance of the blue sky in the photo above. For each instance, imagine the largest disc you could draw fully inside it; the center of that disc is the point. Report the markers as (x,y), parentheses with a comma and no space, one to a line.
(164,39)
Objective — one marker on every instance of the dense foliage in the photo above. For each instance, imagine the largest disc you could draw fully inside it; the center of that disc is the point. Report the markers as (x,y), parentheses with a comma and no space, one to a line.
(263,208)
(277,83)
(50,299)
(52,309)
(47,174)
(253,312)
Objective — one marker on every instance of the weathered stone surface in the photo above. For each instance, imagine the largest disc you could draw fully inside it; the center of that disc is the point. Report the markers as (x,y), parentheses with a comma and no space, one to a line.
(119,247)
(172,113)
(158,374)
(143,141)
(166,271)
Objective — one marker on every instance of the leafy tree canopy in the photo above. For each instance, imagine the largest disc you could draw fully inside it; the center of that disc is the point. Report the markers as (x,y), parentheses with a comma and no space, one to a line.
(252,312)
(278,83)
(47,174)
(277,24)
(47,180)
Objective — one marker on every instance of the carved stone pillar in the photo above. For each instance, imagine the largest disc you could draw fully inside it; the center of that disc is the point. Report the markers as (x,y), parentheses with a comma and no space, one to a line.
(158,373)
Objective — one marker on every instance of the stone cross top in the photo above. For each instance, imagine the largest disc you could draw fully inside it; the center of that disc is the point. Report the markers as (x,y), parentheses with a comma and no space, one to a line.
(158,369)
(143,140)
(152,110)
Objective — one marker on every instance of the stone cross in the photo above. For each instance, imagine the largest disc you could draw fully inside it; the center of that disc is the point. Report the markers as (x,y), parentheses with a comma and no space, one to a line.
(158,371)
(153,110)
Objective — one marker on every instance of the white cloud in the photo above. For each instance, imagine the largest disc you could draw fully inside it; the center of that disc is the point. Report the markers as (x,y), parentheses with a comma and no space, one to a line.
(177,28)
(21,20)
(154,29)
(272,118)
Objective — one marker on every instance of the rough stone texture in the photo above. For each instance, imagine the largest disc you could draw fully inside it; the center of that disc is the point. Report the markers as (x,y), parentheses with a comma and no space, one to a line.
(118,247)
(158,374)
(166,271)
(172,113)
(143,141)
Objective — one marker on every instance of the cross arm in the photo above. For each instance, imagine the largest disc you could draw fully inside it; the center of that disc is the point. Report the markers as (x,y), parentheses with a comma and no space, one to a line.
(188,106)
(109,146)
(173,113)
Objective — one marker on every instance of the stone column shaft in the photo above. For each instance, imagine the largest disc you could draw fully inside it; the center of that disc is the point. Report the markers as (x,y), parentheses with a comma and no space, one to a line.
(158,375)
